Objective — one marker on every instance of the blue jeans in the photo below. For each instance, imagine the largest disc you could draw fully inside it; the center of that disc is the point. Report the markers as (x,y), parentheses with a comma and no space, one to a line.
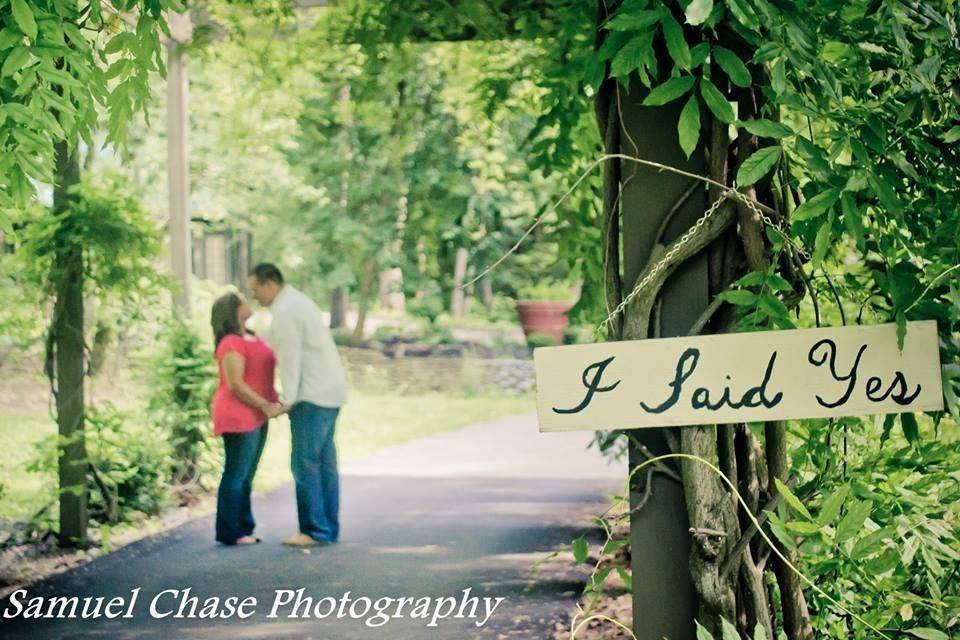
(234,517)
(313,459)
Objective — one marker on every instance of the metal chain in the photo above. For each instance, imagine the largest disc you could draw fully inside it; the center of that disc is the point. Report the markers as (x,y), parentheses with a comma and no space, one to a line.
(684,239)
(658,267)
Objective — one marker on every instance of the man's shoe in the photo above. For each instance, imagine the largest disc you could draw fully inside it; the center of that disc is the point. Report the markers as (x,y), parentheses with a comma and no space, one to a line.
(302,540)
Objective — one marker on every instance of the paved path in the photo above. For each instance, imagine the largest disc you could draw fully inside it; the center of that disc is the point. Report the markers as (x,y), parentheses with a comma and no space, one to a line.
(472,508)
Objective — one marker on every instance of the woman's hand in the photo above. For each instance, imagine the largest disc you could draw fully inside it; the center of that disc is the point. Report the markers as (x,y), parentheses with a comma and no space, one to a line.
(274,409)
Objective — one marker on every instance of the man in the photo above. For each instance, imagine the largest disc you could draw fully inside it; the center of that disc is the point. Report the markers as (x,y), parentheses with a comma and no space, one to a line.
(314,388)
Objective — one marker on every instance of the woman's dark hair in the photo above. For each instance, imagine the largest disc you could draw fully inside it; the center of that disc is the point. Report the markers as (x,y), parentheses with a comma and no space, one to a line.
(267,271)
(223,317)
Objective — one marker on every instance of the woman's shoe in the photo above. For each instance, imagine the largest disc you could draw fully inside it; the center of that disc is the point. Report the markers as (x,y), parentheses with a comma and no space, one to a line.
(247,540)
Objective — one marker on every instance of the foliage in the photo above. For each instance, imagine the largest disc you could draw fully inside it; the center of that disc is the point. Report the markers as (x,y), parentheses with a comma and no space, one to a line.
(879,525)
(127,474)
(119,242)
(181,392)
(536,339)
(60,64)
(545,289)
(20,325)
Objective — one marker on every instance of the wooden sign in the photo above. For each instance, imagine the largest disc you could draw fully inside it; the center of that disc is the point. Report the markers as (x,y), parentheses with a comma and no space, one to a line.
(739,377)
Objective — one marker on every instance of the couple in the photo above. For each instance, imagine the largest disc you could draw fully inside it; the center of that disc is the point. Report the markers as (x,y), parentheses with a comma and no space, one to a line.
(301,346)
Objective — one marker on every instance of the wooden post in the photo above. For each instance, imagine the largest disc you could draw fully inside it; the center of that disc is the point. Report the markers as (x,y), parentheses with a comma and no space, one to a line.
(178,161)
(664,599)
(68,340)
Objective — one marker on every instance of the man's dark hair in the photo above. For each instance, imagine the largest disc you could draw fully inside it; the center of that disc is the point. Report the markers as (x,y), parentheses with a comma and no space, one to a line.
(267,271)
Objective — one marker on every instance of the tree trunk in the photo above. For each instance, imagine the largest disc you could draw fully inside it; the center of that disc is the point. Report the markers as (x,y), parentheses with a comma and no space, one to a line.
(458,298)
(365,287)
(338,308)
(68,341)
(486,294)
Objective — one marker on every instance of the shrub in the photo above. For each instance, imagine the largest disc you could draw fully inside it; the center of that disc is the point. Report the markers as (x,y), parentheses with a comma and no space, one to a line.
(536,339)
(128,469)
(183,382)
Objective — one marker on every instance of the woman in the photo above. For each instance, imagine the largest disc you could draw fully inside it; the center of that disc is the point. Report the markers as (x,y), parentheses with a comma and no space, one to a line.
(244,401)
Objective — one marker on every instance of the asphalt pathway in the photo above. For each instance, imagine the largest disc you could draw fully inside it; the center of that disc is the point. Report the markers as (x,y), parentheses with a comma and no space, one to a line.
(469,509)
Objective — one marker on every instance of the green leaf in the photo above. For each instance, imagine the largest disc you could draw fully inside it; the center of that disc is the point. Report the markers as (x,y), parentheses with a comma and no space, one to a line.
(11,36)
(668,91)
(821,244)
(15,61)
(698,11)
(888,422)
(852,523)
(580,550)
(632,21)
(598,578)
(703,634)
(744,13)
(791,500)
(757,165)
(952,135)
(626,577)
(773,306)
(676,42)
(911,430)
(901,319)
(630,57)
(926,633)
(803,528)
(698,54)
(729,631)
(688,127)
(885,192)
(766,128)
(23,16)
(613,545)
(852,217)
(817,205)
(832,505)
(732,66)
(739,297)
(718,104)
(759,633)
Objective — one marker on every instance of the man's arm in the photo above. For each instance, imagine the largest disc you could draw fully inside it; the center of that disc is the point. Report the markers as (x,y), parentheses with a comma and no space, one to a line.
(286,338)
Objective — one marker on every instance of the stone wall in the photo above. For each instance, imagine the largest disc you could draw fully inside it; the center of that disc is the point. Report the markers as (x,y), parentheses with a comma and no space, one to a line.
(372,369)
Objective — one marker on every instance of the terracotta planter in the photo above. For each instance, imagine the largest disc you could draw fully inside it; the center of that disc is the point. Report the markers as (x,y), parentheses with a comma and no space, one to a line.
(544,316)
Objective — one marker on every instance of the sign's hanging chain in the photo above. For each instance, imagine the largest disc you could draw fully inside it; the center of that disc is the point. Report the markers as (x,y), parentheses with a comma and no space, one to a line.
(688,235)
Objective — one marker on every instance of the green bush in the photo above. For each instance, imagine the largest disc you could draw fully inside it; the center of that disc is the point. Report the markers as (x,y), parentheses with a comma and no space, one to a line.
(547,290)
(536,339)
(428,306)
(182,386)
(343,337)
(128,469)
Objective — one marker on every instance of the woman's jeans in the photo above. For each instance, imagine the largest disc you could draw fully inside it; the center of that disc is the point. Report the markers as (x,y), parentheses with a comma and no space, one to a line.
(313,460)
(234,517)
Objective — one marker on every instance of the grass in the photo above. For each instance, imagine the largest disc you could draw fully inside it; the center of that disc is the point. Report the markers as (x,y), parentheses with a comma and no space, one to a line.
(370,421)
(22,493)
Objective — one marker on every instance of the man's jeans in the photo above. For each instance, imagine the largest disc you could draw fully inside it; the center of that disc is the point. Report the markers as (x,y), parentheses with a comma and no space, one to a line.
(242,451)
(314,463)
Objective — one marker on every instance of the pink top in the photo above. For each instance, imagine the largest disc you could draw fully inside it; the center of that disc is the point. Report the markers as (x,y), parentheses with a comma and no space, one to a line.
(230,414)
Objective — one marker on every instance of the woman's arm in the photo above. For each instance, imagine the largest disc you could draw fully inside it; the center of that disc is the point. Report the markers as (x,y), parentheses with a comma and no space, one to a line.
(234,365)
